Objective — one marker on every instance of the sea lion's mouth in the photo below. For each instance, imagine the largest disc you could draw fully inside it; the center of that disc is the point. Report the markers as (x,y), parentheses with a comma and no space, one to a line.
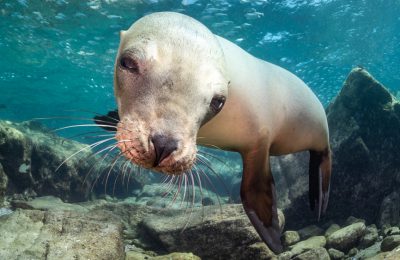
(160,153)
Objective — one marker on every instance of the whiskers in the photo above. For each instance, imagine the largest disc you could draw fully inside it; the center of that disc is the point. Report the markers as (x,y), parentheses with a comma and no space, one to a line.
(98,149)
(193,189)
(108,167)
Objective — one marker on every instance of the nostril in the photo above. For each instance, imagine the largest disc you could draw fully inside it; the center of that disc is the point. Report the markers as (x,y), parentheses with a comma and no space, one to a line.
(163,147)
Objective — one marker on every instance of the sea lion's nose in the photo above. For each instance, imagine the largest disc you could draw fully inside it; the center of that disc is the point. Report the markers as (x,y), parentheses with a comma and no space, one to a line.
(163,147)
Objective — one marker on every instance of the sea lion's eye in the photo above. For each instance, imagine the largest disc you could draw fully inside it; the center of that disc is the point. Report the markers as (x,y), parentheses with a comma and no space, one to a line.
(129,64)
(217,103)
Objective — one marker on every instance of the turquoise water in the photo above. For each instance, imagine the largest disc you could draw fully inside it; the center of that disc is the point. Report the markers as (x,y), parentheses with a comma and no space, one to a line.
(58,55)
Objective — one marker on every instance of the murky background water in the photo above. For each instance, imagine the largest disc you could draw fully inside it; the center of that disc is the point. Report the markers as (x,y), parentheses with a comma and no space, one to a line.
(58,55)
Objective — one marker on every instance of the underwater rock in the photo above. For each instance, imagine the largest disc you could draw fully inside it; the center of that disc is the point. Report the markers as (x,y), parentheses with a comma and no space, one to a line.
(173,256)
(3,185)
(309,231)
(392,255)
(331,229)
(34,234)
(47,203)
(389,213)
(211,232)
(308,244)
(346,238)
(335,254)
(319,253)
(30,155)
(370,237)
(364,121)
(351,220)
(368,252)
(391,231)
(291,180)
(352,252)
(290,237)
(158,195)
(5,211)
(390,242)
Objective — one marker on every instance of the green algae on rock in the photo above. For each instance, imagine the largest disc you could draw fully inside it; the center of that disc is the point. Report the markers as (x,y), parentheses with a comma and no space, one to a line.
(308,244)
(346,238)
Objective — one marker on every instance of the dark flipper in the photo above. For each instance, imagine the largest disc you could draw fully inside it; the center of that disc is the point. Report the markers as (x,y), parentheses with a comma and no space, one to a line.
(319,180)
(259,200)
(111,119)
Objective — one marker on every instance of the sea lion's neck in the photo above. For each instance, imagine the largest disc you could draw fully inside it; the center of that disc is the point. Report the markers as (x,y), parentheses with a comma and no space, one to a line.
(236,127)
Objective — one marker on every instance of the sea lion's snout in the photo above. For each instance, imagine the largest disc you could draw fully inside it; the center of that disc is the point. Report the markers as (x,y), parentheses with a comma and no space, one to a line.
(162,151)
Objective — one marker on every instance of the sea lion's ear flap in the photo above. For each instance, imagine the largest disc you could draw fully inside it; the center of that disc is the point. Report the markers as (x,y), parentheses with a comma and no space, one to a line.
(108,122)
(259,201)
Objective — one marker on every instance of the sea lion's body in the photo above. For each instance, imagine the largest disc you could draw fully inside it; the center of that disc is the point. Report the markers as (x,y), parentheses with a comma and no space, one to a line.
(178,85)
(265,102)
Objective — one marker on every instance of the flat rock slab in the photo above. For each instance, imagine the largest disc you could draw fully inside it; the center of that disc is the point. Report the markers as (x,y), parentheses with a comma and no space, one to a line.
(212,233)
(48,203)
(34,234)
(172,256)
(308,244)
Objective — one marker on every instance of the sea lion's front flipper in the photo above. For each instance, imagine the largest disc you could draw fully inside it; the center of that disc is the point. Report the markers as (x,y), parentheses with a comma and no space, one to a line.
(319,180)
(259,199)
(108,122)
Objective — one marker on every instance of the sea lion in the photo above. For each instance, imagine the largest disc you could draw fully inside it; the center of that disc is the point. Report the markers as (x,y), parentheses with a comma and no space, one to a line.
(177,85)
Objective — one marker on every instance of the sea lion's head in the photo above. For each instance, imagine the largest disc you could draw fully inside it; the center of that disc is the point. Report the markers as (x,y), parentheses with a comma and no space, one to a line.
(170,78)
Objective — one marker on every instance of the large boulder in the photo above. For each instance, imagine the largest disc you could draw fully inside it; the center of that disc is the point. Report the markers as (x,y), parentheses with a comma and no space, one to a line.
(211,233)
(308,244)
(33,159)
(389,212)
(364,124)
(346,238)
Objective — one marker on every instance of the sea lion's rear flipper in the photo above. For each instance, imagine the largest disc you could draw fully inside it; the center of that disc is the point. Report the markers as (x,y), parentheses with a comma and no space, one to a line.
(259,201)
(319,180)
(108,122)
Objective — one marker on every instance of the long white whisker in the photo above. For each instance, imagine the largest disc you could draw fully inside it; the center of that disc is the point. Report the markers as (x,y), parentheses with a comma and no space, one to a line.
(103,157)
(212,186)
(83,125)
(84,135)
(184,189)
(193,200)
(203,160)
(83,149)
(71,118)
(214,157)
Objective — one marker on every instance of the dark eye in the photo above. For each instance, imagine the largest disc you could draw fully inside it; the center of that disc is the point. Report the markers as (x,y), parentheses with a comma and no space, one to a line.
(129,63)
(217,103)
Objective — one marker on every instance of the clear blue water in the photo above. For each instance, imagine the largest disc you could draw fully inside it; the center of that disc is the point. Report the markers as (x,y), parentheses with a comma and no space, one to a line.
(58,55)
